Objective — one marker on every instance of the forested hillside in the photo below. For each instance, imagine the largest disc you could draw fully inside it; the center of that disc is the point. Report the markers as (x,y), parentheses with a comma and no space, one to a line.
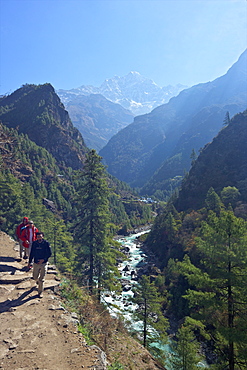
(34,170)
(199,241)
(28,176)
(221,163)
(36,110)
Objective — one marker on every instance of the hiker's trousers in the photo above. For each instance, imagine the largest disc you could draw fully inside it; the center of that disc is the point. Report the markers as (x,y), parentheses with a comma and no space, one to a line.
(22,249)
(39,272)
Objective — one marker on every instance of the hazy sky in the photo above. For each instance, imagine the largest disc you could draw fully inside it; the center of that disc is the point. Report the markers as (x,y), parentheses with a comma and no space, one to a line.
(70,43)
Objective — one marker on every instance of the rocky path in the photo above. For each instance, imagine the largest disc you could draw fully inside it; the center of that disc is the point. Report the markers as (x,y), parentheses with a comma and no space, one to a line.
(37,333)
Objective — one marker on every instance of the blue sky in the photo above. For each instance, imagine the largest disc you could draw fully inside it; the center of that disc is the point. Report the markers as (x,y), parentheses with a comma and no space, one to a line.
(70,43)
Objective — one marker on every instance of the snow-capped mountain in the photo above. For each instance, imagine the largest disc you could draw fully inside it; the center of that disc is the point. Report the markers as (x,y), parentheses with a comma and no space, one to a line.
(134,92)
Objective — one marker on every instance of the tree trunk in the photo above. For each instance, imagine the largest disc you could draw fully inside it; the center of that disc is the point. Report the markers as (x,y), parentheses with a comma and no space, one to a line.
(230,320)
(145,324)
(91,260)
(99,281)
(91,263)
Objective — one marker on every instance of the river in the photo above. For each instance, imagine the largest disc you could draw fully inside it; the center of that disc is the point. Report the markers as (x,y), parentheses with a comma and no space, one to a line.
(120,305)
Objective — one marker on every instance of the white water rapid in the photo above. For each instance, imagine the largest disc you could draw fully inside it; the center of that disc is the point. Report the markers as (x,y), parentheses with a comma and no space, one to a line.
(121,304)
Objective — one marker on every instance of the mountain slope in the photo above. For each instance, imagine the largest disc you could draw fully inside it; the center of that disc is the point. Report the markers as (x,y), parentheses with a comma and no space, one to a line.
(97,118)
(222,163)
(187,122)
(38,112)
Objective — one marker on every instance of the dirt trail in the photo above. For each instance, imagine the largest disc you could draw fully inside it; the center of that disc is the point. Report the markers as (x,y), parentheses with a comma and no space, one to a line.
(37,333)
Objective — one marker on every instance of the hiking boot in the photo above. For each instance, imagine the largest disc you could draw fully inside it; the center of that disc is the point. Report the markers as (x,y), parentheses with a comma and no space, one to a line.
(25,257)
(40,295)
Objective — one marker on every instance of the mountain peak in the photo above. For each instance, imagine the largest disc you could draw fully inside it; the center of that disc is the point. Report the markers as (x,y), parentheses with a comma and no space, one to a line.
(134,73)
(133,91)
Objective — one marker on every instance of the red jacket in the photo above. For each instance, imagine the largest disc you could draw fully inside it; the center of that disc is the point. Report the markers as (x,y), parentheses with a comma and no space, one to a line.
(18,230)
(25,234)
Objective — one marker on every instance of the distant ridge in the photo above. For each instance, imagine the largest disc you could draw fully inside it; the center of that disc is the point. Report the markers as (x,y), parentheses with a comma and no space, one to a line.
(97,118)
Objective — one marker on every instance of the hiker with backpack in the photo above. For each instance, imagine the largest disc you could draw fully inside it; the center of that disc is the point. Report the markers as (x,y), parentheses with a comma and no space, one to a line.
(28,236)
(40,253)
(18,232)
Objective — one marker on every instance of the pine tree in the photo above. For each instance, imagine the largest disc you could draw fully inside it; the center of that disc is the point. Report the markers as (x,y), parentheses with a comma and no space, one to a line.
(219,294)
(11,201)
(229,196)
(213,201)
(186,350)
(227,119)
(92,226)
(149,311)
(193,157)
(61,241)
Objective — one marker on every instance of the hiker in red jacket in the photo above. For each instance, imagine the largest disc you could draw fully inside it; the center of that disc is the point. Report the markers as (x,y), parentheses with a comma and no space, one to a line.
(28,236)
(18,232)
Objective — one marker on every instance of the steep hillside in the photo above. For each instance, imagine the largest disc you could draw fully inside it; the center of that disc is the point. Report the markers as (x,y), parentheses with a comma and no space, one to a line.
(222,163)
(34,166)
(97,118)
(30,170)
(38,112)
(173,130)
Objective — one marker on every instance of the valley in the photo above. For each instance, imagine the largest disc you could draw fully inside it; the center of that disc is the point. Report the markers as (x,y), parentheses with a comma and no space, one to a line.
(179,169)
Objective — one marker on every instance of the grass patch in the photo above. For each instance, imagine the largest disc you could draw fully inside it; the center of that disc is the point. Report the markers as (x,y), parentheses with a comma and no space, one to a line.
(116,366)
(86,334)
